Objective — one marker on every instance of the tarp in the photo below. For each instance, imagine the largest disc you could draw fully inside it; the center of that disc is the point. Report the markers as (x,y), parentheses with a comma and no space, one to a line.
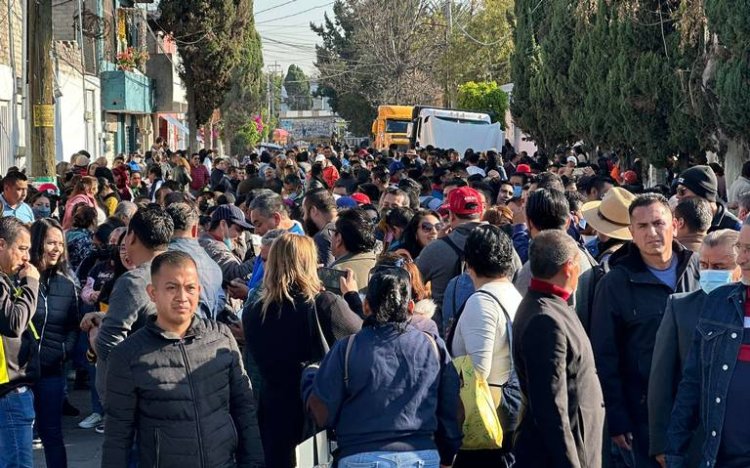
(182,128)
(460,136)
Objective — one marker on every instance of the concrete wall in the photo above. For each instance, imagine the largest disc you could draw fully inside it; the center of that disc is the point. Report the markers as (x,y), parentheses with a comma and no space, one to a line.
(169,93)
(78,119)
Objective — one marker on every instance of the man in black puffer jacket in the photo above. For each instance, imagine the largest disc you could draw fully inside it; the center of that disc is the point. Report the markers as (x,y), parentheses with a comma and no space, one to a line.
(180,384)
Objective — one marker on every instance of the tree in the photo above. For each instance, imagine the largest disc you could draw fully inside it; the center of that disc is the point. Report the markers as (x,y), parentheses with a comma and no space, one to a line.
(379,52)
(297,88)
(332,60)
(609,72)
(206,32)
(246,96)
(480,45)
(486,97)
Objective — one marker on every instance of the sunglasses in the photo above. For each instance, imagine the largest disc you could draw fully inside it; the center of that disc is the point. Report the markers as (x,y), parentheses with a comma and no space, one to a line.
(428,227)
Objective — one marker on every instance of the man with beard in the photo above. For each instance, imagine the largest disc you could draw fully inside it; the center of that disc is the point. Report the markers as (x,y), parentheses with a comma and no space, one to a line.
(320,216)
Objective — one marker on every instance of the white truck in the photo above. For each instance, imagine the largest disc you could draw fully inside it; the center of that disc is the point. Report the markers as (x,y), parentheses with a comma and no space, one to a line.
(457,129)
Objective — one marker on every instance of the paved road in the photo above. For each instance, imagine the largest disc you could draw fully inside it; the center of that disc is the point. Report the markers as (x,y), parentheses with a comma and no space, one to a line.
(84,446)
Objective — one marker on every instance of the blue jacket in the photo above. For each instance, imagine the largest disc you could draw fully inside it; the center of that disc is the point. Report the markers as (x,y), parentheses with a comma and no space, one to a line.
(403,394)
(708,371)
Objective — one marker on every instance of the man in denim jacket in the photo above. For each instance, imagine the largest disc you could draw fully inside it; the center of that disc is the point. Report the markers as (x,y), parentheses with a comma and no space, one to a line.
(716,378)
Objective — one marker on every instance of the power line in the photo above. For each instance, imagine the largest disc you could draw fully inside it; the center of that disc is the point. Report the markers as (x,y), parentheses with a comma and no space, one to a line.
(275,7)
(295,14)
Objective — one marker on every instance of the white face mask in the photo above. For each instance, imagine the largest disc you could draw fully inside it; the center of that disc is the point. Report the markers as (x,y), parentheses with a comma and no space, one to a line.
(712,279)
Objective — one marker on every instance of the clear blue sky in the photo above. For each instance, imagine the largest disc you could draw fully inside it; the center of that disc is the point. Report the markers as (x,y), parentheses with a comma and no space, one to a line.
(285,31)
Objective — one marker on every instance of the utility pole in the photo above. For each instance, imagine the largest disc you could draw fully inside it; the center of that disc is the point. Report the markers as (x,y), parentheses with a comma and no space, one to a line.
(41,78)
(448,36)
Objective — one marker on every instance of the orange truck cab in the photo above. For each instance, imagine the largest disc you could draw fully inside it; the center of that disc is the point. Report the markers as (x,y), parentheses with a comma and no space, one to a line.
(390,127)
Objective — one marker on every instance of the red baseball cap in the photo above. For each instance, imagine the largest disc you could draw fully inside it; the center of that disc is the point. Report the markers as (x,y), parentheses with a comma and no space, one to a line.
(464,201)
(630,177)
(523,169)
(361,198)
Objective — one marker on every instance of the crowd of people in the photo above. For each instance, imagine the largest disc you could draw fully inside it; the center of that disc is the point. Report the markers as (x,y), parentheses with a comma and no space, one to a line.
(423,308)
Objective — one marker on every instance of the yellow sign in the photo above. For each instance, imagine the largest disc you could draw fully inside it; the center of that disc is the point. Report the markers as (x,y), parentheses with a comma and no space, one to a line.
(44,115)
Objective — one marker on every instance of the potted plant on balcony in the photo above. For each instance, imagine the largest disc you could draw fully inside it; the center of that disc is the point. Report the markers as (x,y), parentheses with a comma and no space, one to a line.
(132,59)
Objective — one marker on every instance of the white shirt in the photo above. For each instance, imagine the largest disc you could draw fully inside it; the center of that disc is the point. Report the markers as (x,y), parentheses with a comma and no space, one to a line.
(481,332)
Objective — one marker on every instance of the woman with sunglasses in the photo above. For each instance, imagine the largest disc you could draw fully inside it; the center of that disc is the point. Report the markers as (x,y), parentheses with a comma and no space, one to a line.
(423,228)
(390,392)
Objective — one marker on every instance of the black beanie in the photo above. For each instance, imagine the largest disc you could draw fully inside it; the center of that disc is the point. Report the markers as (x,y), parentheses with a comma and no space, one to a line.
(701,180)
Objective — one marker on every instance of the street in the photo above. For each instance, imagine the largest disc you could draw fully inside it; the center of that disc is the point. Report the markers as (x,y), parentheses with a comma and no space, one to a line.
(84,446)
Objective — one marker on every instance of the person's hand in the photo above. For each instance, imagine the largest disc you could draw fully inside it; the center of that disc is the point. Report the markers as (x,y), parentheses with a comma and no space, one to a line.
(238,289)
(93,333)
(519,213)
(91,320)
(348,283)
(624,441)
(662,460)
(95,296)
(29,271)
(238,332)
(589,171)
(447,229)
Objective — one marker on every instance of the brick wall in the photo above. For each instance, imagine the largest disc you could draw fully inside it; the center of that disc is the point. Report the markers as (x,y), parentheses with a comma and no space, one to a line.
(16,21)
(63,19)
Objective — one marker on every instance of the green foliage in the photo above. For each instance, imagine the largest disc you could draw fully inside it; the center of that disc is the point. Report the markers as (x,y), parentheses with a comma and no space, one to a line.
(480,44)
(334,56)
(249,134)
(378,52)
(730,87)
(610,73)
(297,89)
(246,95)
(485,96)
(207,32)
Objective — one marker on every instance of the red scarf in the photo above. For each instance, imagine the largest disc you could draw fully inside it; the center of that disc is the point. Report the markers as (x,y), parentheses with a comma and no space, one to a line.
(548,288)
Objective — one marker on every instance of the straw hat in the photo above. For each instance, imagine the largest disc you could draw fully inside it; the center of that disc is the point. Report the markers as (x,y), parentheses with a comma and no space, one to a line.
(610,215)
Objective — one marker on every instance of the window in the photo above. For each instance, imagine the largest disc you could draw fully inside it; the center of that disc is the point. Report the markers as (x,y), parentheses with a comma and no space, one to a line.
(396,126)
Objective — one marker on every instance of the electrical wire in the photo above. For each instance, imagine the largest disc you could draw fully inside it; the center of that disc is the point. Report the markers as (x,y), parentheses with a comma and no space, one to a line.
(295,14)
(275,7)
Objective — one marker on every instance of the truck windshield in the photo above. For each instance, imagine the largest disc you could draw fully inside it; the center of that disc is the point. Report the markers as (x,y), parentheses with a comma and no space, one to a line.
(396,126)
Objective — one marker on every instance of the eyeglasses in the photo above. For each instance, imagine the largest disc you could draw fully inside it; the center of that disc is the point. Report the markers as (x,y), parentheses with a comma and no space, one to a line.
(429,227)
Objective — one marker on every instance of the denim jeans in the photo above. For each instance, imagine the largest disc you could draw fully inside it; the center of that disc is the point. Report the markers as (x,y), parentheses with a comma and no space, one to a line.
(49,393)
(96,403)
(16,421)
(419,459)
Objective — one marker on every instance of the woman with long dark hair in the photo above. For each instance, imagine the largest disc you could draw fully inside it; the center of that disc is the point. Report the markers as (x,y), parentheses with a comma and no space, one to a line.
(390,392)
(423,228)
(56,322)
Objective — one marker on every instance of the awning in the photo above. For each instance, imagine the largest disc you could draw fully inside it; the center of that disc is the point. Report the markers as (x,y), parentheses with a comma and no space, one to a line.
(180,126)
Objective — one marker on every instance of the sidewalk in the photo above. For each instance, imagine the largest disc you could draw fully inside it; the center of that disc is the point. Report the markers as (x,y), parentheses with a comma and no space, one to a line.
(84,446)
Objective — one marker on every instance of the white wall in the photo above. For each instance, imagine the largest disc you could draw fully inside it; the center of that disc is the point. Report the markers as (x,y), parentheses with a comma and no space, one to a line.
(12,123)
(70,126)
